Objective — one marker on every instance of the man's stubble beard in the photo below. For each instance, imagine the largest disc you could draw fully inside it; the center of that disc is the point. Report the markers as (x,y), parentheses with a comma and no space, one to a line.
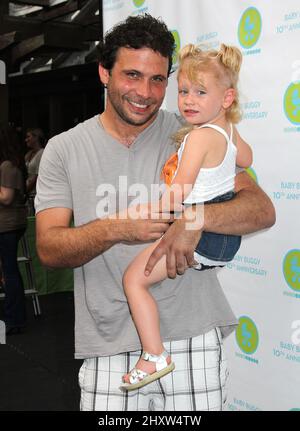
(122,112)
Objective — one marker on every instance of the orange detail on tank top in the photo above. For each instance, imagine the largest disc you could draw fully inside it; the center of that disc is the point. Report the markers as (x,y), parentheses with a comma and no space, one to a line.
(169,169)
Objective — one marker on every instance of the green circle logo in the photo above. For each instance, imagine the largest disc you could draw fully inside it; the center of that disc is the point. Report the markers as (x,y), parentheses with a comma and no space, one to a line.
(177,46)
(291,102)
(249,27)
(247,335)
(252,174)
(138,3)
(291,269)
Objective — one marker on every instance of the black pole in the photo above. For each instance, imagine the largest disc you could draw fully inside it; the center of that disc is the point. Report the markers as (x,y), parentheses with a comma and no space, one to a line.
(101,19)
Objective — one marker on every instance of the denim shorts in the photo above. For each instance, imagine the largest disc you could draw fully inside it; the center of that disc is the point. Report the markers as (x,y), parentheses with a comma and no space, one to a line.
(215,246)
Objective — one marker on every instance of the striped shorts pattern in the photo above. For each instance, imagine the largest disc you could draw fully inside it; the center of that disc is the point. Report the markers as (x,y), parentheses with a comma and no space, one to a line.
(197,383)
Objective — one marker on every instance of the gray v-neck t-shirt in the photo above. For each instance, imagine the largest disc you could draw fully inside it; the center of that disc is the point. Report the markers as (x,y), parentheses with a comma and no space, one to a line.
(78,170)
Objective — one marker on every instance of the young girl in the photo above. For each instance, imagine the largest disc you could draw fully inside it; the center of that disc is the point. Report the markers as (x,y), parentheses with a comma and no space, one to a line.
(207,157)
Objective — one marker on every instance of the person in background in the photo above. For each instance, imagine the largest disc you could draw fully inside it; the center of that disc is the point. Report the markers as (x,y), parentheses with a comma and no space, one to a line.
(13,220)
(35,142)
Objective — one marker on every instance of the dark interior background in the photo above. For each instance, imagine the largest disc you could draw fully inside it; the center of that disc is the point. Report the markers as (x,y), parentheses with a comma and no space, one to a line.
(50,56)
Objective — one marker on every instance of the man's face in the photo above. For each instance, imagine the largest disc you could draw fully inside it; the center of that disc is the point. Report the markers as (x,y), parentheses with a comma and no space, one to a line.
(136,85)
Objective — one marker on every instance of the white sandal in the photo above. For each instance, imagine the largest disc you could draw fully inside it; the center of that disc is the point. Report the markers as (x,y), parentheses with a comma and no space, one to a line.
(139,378)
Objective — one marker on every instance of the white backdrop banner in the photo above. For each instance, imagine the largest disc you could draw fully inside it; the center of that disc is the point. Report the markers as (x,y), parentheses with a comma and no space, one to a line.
(262,283)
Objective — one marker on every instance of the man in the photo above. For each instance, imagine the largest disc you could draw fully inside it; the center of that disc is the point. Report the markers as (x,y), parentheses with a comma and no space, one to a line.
(129,143)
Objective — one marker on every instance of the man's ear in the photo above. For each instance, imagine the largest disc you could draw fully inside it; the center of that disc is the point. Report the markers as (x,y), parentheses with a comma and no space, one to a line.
(103,74)
(229,97)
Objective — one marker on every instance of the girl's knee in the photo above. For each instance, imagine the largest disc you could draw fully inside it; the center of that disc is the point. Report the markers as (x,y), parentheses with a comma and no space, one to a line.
(132,279)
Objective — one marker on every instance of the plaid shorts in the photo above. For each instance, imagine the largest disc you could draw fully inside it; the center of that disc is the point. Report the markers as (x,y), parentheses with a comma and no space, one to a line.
(197,383)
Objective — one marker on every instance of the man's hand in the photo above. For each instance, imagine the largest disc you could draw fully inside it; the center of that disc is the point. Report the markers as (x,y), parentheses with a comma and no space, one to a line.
(143,222)
(178,244)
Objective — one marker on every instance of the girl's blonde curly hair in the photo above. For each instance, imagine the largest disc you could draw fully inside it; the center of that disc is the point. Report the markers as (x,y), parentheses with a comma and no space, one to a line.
(224,64)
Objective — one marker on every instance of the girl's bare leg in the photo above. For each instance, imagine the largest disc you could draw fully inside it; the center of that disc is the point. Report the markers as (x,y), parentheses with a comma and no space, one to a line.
(143,307)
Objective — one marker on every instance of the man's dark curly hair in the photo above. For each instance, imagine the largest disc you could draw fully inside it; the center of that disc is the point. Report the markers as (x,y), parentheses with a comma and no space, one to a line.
(137,32)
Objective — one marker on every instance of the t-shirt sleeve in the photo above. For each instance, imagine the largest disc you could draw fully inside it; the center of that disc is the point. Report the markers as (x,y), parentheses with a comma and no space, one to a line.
(53,185)
(10,176)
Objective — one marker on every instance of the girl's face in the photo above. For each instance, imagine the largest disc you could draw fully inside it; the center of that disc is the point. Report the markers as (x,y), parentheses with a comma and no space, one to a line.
(201,103)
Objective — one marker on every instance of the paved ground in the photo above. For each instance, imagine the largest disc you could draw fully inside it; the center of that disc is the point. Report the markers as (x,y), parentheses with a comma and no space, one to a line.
(38,371)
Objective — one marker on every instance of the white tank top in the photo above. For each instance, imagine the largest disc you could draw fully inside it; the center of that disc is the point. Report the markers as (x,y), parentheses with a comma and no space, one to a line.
(212,182)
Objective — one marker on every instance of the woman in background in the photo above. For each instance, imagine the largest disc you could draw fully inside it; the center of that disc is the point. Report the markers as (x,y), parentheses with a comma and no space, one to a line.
(35,142)
(13,217)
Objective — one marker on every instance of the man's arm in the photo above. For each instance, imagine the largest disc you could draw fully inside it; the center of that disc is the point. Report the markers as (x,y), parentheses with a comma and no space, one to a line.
(250,210)
(61,246)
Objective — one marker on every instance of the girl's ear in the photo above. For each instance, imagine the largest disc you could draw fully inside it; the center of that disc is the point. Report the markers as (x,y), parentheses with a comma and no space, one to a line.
(103,74)
(229,97)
